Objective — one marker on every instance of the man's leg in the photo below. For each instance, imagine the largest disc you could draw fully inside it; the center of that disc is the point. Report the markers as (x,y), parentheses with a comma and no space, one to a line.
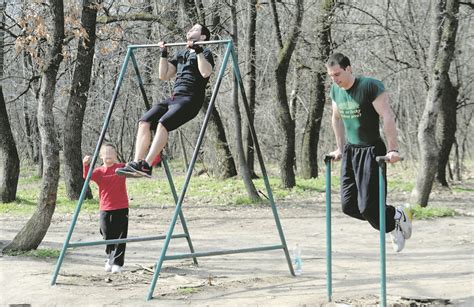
(159,142)
(348,186)
(143,140)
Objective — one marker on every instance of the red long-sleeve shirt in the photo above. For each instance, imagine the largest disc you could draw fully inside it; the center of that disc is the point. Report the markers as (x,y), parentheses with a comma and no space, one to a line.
(112,188)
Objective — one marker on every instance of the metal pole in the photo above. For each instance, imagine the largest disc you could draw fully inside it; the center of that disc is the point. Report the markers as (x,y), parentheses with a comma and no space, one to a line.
(327,160)
(181,215)
(225,41)
(189,172)
(140,81)
(262,165)
(383,286)
(89,174)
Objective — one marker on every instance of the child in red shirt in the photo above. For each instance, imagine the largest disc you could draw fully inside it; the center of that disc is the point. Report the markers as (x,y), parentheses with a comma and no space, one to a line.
(113,205)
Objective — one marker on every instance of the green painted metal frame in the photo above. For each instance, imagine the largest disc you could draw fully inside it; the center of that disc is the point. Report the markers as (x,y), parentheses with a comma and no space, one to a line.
(382,192)
(229,53)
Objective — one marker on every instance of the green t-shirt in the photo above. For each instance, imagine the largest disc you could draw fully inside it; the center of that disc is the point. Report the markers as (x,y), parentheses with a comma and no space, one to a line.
(361,121)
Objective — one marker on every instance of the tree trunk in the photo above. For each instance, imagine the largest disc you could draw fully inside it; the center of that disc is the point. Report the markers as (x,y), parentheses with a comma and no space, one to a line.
(244,171)
(31,235)
(286,123)
(439,77)
(224,165)
(10,163)
(77,104)
(251,84)
(309,148)
(447,129)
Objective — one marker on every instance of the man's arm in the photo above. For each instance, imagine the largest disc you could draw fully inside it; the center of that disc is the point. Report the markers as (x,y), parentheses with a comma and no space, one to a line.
(338,128)
(205,68)
(166,70)
(382,106)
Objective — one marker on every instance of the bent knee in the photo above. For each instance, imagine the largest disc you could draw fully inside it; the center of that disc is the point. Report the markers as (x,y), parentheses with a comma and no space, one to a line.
(144,125)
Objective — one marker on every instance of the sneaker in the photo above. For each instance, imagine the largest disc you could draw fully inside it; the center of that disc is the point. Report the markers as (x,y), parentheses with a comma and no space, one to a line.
(116,269)
(128,170)
(107,267)
(398,240)
(135,169)
(405,221)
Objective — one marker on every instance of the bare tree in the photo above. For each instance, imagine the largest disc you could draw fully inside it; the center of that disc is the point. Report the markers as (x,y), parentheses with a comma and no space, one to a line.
(309,150)
(243,168)
(10,165)
(31,235)
(78,101)
(285,121)
(441,55)
(252,82)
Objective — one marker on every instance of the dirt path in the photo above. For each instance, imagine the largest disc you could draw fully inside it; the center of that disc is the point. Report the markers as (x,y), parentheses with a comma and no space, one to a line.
(436,266)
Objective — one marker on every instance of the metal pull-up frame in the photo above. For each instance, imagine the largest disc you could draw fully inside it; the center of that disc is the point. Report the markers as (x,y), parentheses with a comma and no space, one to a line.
(229,53)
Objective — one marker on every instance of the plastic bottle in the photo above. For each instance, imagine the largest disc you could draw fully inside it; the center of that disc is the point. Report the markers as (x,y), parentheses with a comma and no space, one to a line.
(297,260)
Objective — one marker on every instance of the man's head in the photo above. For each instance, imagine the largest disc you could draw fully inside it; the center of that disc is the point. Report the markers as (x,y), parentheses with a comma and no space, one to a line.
(340,70)
(198,32)
(108,154)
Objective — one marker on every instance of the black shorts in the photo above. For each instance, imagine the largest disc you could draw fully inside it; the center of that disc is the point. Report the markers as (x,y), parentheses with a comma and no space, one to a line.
(174,111)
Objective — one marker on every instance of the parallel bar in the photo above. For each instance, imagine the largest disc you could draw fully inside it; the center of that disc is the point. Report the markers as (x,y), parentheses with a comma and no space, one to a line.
(382,191)
(260,160)
(224,252)
(92,164)
(126,240)
(189,172)
(225,41)
(327,160)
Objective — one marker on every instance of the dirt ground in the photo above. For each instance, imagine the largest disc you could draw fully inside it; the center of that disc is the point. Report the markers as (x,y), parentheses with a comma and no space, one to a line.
(436,267)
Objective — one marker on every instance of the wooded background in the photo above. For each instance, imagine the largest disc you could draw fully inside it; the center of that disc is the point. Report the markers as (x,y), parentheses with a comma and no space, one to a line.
(60,61)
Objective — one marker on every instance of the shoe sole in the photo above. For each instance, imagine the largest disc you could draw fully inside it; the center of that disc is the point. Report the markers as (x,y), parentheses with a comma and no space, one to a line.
(142,174)
(127,173)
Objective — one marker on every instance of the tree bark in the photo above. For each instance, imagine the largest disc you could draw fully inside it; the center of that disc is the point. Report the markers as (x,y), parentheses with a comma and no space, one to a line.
(447,129)
(243,168)
(78,102)
(224,165)
(426,131)
(251,83)
(309,148)
(10,163)
(31,235)
(286,123)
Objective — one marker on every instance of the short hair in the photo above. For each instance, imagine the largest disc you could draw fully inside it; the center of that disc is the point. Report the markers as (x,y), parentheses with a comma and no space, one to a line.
(108,145)
(338,59)
(205,31)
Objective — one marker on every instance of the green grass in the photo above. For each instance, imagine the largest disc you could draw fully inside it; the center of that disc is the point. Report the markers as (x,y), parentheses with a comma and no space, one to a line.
(421,213)
(38,253)
(187,290)
(204,189)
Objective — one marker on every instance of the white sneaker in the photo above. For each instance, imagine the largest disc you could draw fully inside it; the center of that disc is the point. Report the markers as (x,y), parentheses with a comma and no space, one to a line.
(107,267)
(405,221)
(116,269)
(398,240)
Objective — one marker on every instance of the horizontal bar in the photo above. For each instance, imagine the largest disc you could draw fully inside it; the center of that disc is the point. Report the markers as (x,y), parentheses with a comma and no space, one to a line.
(225,41)
(224,252)
(118,241)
